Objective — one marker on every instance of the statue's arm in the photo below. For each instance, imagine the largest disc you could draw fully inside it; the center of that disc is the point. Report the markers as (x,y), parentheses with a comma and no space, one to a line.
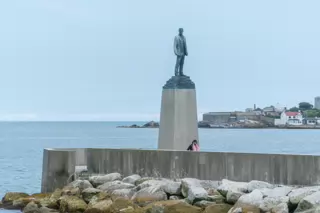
(186,46)
(175,46)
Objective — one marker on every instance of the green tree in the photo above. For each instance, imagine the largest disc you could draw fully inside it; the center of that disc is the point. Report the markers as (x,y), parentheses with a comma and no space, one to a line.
(294,109)
(312,113)
(305,106)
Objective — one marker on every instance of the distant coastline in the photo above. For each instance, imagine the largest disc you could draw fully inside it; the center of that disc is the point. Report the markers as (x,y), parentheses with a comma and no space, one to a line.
(153,124)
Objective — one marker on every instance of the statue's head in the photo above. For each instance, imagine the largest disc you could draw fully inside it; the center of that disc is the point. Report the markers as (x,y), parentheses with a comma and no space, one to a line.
(180,31)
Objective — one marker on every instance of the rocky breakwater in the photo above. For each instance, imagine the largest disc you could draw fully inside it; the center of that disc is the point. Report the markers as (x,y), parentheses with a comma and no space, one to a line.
(112,193)
(151,124)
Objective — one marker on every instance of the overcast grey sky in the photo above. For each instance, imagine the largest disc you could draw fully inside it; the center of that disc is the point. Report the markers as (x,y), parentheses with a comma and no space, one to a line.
(108,60)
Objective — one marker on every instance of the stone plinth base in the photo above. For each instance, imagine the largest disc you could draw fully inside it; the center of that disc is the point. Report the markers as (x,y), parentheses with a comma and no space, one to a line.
(178,119)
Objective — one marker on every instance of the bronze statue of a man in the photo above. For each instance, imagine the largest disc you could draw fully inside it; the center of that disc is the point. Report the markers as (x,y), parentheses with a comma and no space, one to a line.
(180,49)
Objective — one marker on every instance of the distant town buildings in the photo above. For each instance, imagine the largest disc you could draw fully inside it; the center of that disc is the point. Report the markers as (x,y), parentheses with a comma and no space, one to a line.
(268,116)
(289,118)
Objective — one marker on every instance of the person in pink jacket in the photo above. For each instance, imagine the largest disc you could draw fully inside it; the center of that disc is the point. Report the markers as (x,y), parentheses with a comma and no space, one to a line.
(194,146)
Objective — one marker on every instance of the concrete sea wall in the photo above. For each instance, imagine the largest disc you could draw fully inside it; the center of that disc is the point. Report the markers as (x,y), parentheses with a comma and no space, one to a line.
(59,165)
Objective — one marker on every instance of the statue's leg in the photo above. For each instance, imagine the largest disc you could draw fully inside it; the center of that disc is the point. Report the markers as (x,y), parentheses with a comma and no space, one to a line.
(176,71)
(181,65)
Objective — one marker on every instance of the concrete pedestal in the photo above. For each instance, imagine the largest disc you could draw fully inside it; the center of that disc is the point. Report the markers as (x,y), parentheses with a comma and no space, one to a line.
(178,118)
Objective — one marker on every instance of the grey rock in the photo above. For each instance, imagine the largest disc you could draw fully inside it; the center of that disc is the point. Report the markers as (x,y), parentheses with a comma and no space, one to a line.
(99,180)
(131,179)
(298,194)
(216,198)
(233,196)
(210,184)
(152,182)
(138,182)
(227,185)
(309,202)
(255,184)
(203,203)
(175,197)
(168,186)
(111,186)
(192,190)
(148,195)
(269,203)
(31,208)
(235,210)
(172,188)
(47,210)
(81,184)
(88,193)
(186,183)
(125,193)
(252,199)
(277,192)
(281,208)
(105,186)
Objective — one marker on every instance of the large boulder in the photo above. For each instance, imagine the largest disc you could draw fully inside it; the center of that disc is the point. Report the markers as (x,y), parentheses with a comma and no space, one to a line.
(52,202)
(99,180)
(251,199)
(176,197)
(216,198)
(139,181)
(296,195)
(10,197)
(210,184)
(182,207)
(100,206)
(148,195)
(152,182)
(158,207)
(125,193)
(47,210)
(244,209)
(255,184)
(22,202)
(99,197)
(132,179)
(233,196)
(270,203)
(281,208)
(218,208)
(203,204)
(227,185)
(115,185)
(277,191)
(31,208)
(172,188)
(71,191)
(309,202)
(72,204)
(88,193)
(192,190)
(123,205)
(168,186)
(81,184)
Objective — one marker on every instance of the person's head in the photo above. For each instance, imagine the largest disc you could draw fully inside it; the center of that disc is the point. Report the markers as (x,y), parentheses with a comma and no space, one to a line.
(194,142)
(180,31)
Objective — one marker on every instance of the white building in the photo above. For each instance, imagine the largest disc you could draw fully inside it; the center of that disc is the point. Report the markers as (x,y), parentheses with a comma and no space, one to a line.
(289,118)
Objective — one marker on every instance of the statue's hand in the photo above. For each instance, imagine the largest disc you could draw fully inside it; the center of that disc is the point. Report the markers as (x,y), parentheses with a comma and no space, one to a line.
(186,54)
